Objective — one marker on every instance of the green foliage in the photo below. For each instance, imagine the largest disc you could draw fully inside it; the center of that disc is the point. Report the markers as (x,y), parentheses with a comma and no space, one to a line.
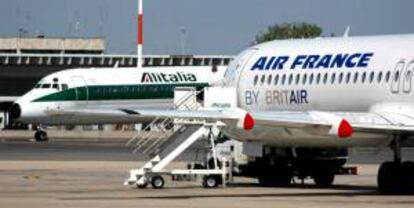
(289,31)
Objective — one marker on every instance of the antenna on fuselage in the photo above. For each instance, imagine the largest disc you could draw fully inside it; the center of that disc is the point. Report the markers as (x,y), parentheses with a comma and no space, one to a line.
(347,30)
(140,34)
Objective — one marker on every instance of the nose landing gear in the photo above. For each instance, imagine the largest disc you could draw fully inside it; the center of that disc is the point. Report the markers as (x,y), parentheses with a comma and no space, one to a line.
(41,135)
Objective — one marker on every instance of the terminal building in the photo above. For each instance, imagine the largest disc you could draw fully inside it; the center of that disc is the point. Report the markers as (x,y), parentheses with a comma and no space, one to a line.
(25,60)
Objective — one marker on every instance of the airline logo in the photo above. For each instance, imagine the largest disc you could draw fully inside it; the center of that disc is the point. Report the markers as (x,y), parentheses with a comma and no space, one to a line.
(327,61)
(160,77)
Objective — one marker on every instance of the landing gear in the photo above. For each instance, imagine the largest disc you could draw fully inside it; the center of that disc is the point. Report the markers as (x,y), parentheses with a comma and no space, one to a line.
(41,136)
(275,173)
(396,177)
(142,186)
(324,178)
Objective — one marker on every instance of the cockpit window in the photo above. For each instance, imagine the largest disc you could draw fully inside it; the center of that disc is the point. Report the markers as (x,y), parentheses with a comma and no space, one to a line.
(44,86)
(55,86)
(37,86)
(64,86)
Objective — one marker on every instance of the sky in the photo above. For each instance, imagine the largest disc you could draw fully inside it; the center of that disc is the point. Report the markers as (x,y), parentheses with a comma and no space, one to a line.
(204,27)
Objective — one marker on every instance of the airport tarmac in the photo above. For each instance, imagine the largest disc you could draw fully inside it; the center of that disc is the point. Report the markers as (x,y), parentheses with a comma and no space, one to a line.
(90,174)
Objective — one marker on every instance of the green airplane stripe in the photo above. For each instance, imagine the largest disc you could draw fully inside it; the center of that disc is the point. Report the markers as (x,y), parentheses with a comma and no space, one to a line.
(117,92)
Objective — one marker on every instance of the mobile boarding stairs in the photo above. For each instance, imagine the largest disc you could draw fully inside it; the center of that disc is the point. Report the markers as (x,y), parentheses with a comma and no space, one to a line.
(177,135)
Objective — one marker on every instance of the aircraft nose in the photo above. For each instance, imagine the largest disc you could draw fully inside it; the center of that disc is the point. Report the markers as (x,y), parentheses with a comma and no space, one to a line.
(15,111)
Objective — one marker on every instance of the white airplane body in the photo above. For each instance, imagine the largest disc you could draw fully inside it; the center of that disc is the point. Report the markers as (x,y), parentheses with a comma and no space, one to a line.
(379,92)
(329,92)
(109,88)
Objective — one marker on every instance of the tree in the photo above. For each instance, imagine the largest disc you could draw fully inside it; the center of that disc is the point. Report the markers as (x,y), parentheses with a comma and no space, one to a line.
(293,30)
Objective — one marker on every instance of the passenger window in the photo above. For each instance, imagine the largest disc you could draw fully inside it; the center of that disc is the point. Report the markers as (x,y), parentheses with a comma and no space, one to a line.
(355,77)
(333,76)
(290,79)
(305,78)
(371,77)
(325,78)
(311,79)
(387,76)
(348,77)
(276,79)
(318,78)
(379,78)
(341,76)
(262,80)
(283,79)
(256,78)
(363,77)
(297,79)
(269,79)
(396,76)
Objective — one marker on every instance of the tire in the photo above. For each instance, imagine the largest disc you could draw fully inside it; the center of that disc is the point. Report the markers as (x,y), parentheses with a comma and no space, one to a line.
(210,181)
(275,179)
(389,178)
(40,136)
(407,177)
(142,186)
(324,179)
(157,182)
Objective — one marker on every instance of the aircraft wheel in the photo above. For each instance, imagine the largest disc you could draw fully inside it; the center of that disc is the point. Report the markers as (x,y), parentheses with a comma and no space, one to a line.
(210,181)
(324,179)
(389,178)
(275,179)
(41,136)
(407,177)
(142,186)
(157,182)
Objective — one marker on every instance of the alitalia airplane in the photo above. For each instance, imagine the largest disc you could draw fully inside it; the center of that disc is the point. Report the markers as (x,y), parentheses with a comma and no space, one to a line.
(315,93)
(106,89)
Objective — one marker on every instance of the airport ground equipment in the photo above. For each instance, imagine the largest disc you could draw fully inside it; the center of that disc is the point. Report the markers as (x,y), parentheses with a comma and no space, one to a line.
(177,136)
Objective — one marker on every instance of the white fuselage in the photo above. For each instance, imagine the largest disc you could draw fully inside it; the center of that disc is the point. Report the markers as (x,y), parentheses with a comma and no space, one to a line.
(375,76)
(109,88)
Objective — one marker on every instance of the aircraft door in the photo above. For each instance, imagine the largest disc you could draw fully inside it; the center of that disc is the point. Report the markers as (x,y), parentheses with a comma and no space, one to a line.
(397,76)
(407,77)
(81,89)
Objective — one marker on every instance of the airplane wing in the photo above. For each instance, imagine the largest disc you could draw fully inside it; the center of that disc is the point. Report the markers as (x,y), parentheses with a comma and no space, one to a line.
(341,124)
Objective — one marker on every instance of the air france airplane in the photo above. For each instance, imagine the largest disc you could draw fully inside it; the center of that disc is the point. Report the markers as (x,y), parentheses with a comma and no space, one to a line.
(317,93)
(106,88)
